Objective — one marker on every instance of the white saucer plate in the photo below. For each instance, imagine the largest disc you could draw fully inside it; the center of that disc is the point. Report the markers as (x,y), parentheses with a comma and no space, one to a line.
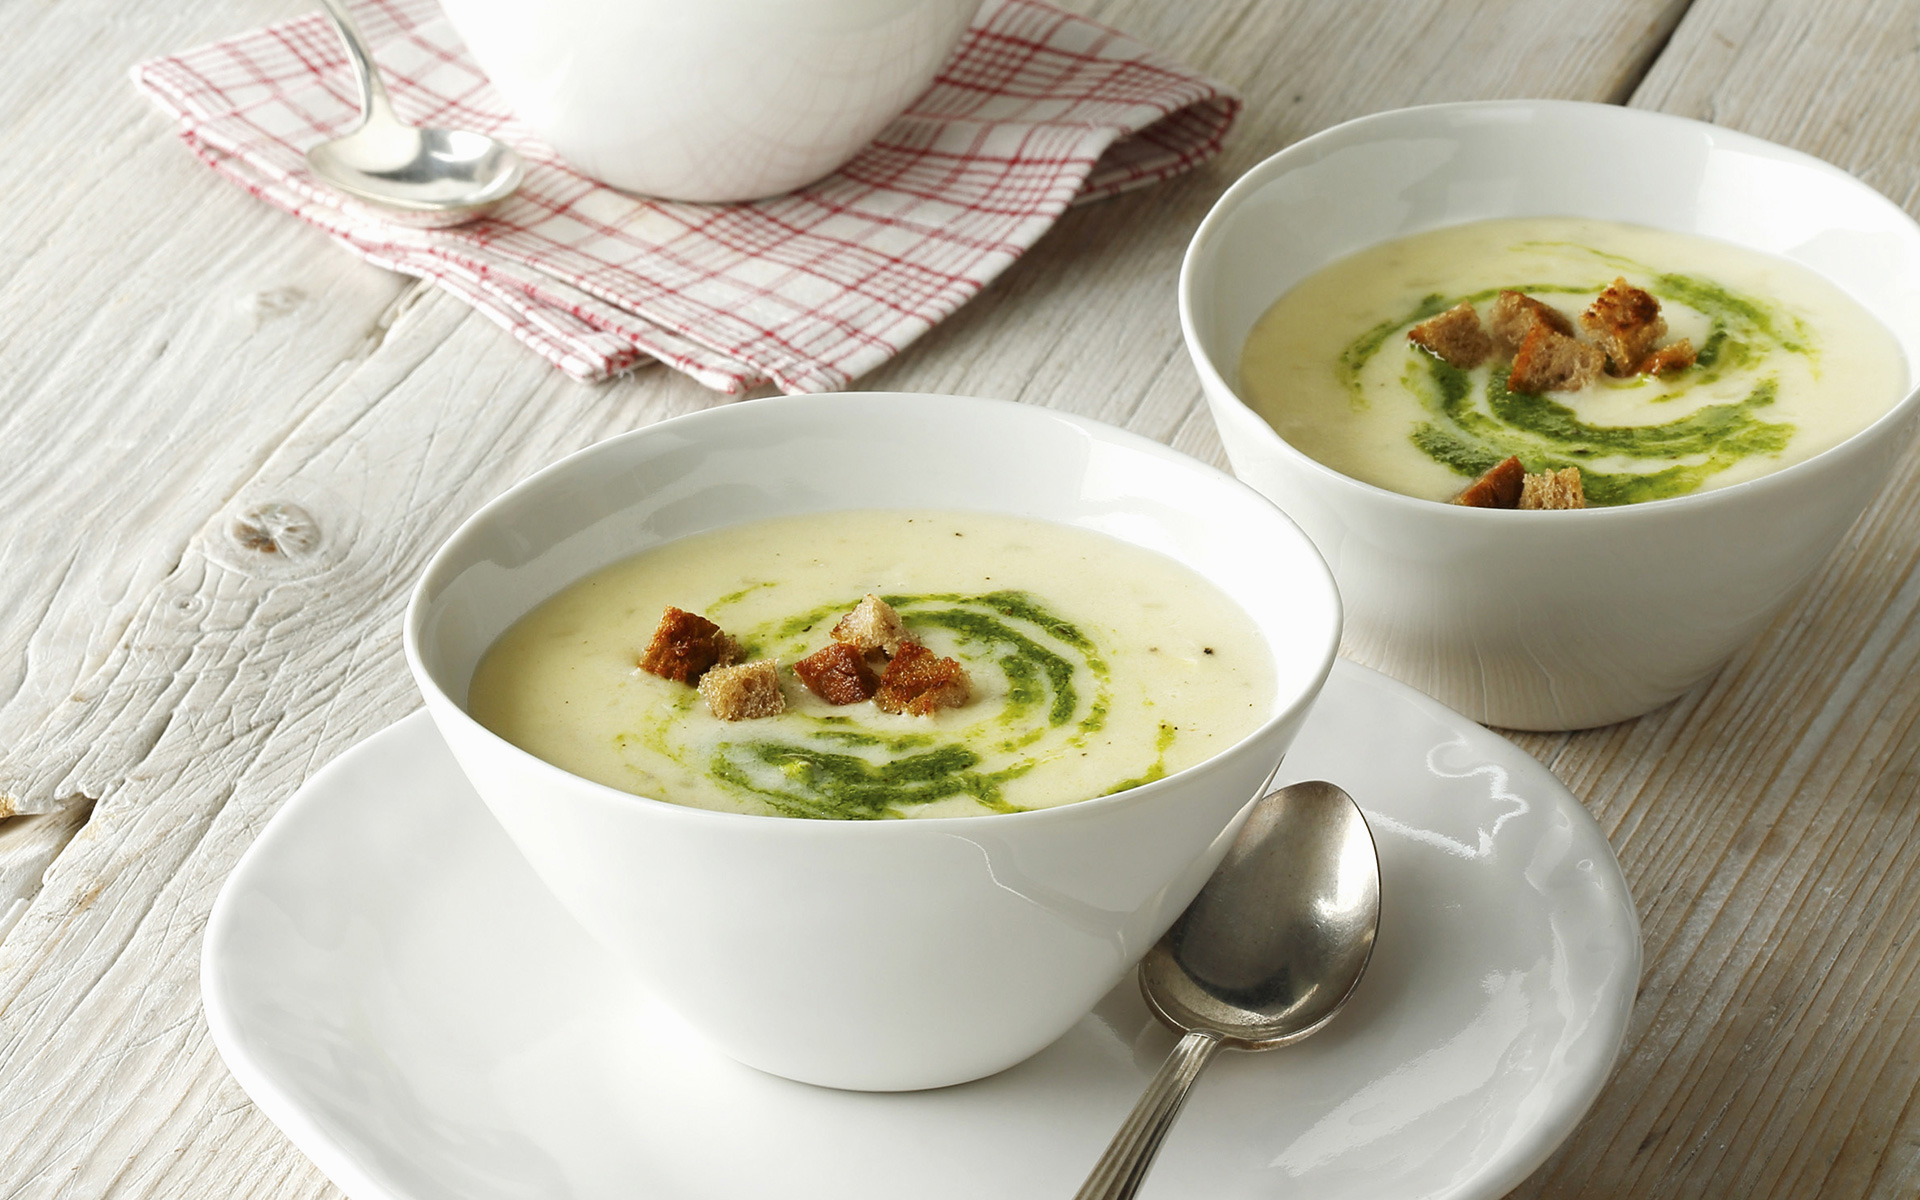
(399,994)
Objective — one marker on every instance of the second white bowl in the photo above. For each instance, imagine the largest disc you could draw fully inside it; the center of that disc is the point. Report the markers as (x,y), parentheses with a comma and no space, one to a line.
(1556,620)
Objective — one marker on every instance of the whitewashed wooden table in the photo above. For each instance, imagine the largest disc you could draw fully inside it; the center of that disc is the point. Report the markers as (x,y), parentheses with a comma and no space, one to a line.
(228,447)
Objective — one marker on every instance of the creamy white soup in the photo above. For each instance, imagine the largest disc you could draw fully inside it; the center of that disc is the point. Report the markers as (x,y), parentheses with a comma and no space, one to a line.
(1096,666)
(1787,366)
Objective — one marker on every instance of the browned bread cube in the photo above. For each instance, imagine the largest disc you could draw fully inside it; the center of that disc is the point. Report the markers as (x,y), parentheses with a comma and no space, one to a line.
(686,646)
(1627,323)
(1553,362)
(838,674)
(1498,488)
(1455,336)
(744,692)
(1553,489)
(872,625)
(1513,316)
(919,682)
(1676,357)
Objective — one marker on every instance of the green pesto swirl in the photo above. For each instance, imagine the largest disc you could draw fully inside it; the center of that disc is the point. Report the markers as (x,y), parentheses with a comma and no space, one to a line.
(1474,420)
(1051,676)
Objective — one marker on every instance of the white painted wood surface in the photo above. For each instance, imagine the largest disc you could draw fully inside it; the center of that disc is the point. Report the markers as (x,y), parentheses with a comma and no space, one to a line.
(187,370)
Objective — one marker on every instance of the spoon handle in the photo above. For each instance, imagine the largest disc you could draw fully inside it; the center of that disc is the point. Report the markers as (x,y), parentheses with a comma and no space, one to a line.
(1122,1169)
(373,94)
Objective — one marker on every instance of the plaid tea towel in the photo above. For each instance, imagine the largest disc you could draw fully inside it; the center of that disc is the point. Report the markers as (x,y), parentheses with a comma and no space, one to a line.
(1036,110)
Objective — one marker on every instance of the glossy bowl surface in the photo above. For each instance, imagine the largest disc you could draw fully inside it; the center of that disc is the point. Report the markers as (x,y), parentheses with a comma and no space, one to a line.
(1556,620)
(888,954)
(716,100)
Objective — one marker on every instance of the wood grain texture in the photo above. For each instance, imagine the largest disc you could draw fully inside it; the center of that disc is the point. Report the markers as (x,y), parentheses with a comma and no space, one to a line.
(160,660)
(28,845)
(248,669)
(146,305)
(1768,821)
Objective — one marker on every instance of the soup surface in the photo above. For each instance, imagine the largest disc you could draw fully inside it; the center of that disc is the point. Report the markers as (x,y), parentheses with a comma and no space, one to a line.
(1096,666)
(1788,365)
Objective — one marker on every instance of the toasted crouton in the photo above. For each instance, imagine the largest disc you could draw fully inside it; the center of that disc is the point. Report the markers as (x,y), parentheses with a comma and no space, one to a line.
(838,674)
(1626,321)
(1553,489)
(686,646)
(872,625)
(919,682)
(1498,488)
(1676,357)
(1455,337)
(744,692)
(1553,362)
(1513,316)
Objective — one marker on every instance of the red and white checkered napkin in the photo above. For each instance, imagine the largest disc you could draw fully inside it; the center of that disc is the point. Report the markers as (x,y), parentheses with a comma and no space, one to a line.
(1037,109)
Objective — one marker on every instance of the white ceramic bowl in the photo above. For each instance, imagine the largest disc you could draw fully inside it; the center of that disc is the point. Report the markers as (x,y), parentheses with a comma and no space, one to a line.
(887,954)
(1554,620)
(714,100)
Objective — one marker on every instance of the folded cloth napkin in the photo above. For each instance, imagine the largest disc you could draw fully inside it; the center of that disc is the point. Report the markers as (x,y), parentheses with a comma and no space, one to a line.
(1036,110)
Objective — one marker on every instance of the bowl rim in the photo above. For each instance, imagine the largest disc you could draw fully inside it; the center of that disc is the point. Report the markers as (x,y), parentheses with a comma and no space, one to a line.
(1280,163)
(1287,709)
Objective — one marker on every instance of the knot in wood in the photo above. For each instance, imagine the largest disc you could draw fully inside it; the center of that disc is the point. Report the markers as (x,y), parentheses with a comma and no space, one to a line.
(286,530)
(274,302)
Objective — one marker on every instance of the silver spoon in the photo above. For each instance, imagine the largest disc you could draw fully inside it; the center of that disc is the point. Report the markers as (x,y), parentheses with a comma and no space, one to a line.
(1265,955)
(433,176)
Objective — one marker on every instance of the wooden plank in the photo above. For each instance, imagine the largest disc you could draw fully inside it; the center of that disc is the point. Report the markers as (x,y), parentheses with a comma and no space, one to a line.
(1767,820)
(216,689)
(147,303)
(246,671)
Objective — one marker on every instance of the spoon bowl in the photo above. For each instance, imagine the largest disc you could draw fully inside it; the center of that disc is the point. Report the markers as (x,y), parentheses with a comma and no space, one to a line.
(1272,947)
(425,176)
(424,170)
(1268,952)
